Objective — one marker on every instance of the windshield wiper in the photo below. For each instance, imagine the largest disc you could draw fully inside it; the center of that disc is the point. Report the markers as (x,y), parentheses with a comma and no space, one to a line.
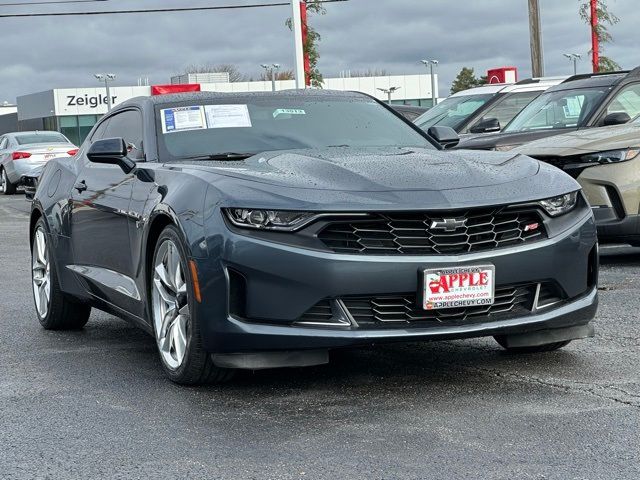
(221,156)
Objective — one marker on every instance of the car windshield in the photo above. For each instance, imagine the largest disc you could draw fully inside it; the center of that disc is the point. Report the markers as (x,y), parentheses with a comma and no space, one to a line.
(236,126)
(559,109)
(452,111)
(41,137)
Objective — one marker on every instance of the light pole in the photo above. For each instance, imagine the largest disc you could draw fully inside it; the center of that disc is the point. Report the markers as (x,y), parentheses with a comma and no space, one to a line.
(106,78)
(271,72)
(431,64)
(296,23)
(573,57)
(389,91)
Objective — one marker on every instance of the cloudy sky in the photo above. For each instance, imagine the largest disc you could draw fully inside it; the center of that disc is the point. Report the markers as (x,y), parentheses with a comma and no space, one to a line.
(43,53)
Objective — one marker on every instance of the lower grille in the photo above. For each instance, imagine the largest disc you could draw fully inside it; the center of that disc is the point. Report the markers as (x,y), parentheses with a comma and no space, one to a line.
(405,308)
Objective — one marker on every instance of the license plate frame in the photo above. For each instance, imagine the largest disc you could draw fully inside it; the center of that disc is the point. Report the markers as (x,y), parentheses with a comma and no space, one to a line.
(461,286)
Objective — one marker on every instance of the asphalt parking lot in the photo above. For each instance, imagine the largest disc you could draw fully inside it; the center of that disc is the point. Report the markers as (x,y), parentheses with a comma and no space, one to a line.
(96,404)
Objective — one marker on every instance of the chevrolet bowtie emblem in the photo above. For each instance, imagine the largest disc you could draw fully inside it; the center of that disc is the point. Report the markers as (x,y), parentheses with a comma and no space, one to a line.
(448,224)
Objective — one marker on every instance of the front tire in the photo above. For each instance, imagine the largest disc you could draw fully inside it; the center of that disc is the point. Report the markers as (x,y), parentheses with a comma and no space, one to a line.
(176,326)
(55,311)
(6,187)
(547,347)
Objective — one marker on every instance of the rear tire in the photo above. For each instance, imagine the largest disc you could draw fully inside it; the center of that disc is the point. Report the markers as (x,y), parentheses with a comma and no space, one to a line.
(547,347)
(175,324)
(6,187)
(55,310)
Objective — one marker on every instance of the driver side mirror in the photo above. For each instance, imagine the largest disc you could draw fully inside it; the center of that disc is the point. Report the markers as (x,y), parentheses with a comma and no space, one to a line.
(616,118)
(486,125)
(111,151)
(445,136)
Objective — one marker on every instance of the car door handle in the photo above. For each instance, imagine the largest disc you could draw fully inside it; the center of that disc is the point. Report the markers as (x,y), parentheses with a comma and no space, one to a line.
(80,186)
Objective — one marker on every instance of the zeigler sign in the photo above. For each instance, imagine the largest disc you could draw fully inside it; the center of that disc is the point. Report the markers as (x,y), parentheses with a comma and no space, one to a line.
(93,101)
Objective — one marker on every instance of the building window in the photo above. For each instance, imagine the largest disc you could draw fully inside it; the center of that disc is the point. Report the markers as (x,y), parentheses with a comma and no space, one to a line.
(76,128)
(50,124)
(69,128)
(85,124)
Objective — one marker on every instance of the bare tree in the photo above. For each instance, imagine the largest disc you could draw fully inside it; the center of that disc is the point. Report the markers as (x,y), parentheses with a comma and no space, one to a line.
(234,74)
(280,75)
(370,72)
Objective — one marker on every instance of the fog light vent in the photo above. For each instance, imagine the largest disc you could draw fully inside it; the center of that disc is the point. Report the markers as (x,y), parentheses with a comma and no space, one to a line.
(547,295)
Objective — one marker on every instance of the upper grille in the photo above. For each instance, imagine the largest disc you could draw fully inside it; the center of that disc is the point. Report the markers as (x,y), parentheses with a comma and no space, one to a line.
(381,310)
(411,233)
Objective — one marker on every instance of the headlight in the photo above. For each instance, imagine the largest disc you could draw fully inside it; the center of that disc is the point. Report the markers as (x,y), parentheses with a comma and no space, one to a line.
(560,205)
(267,219)
(505,148)
(611,156)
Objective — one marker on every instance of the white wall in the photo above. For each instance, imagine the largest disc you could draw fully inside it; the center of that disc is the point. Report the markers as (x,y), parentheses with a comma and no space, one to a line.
(92,101)
(411,86)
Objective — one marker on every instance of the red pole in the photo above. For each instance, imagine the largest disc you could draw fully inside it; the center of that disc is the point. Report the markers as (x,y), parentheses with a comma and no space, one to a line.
(595,47)
(307,62)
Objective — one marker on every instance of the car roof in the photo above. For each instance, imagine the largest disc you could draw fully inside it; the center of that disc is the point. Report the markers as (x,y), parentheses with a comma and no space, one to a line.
(526,85)
(205,96)
(32,132)
(412,108)
(604,79)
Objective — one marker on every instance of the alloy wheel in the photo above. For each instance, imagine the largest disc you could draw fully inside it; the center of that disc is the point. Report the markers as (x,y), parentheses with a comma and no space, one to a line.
(3,181)
(41,272)
(171,314)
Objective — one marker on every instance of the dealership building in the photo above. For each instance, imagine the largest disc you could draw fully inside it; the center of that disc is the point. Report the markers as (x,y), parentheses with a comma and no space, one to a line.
(74,111)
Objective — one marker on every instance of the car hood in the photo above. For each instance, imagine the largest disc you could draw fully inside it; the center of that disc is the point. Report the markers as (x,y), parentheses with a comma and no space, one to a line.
(381,169)
(585,141)
(489,141)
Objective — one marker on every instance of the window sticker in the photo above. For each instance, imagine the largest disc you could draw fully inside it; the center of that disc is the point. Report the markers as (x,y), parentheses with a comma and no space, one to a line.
(227,116)
(288,111)
(182,118)
(573,107)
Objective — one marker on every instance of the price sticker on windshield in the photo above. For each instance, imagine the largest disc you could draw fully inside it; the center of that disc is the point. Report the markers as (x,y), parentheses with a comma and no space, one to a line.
(227,116)
(182,118)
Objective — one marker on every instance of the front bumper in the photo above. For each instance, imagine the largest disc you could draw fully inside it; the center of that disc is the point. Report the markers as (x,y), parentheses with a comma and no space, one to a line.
(282,282)
(612,190)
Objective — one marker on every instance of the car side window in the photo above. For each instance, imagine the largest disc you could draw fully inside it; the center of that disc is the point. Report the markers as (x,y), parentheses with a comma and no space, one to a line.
(127,125)
(509,106)
(627,100)
(3,143)
(99,132)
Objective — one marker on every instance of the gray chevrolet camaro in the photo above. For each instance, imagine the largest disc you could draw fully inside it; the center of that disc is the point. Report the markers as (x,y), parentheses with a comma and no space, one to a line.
(263,230)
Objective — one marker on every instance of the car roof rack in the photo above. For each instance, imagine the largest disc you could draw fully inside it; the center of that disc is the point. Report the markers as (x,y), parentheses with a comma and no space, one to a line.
(583,76)
(539,79)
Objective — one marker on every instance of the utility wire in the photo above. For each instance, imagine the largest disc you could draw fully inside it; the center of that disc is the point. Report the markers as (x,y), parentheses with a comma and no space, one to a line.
(55,2)
(154,10)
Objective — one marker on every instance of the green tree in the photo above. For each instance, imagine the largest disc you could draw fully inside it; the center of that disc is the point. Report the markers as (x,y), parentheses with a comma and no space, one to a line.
(466,79)
(310,47)
(605,64)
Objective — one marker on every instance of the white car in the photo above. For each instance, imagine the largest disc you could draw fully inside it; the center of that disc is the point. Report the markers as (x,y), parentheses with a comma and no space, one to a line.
(487,108)
(23,152)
